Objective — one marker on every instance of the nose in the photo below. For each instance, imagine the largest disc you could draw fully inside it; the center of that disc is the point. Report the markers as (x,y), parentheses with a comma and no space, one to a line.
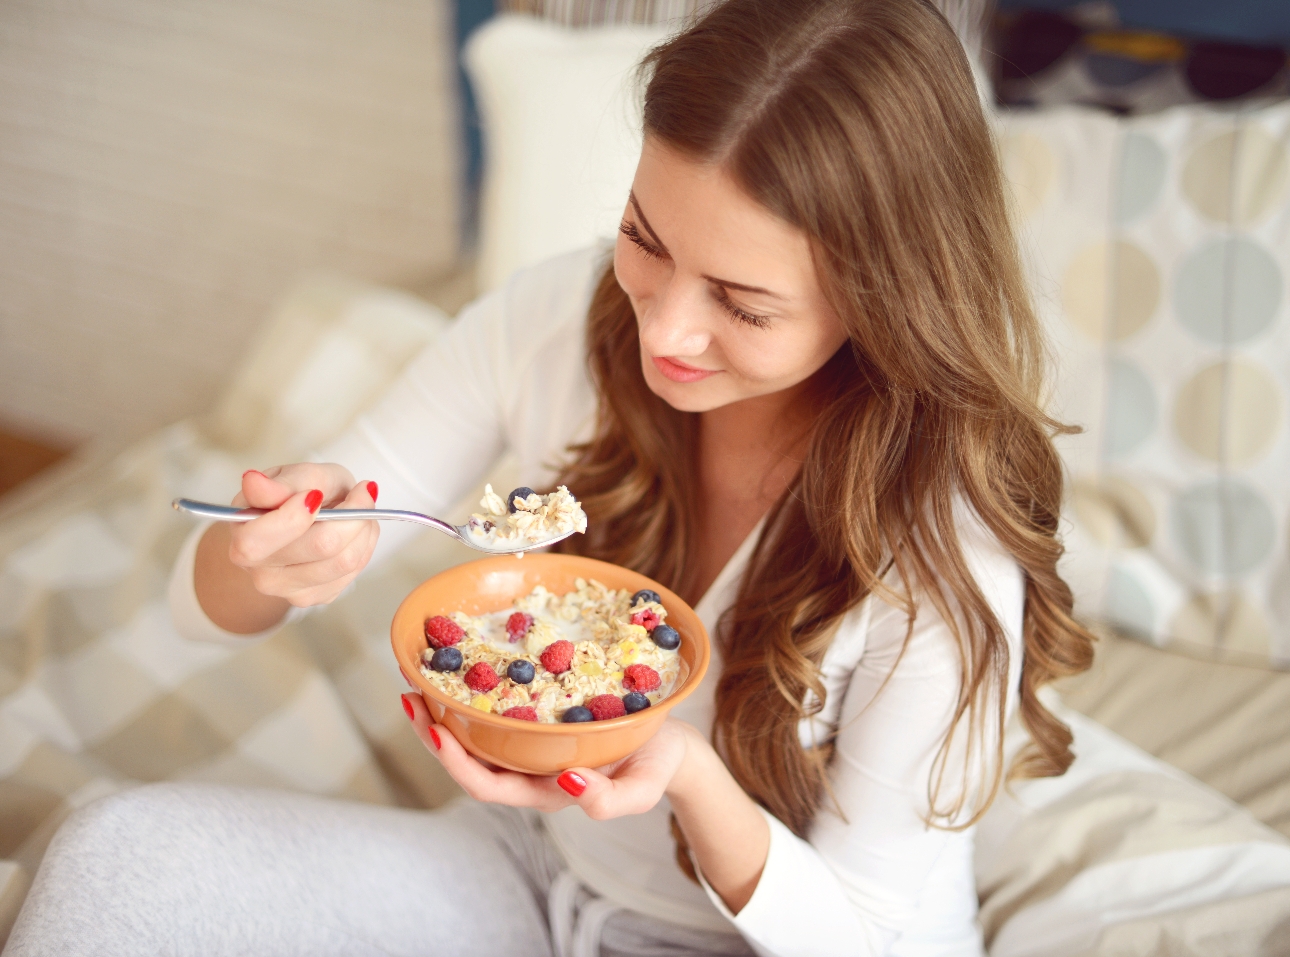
(677,323)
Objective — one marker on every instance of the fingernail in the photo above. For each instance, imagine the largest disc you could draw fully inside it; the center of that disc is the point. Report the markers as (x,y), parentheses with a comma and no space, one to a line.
(251,472)
(372,490)
(313,500)
(407,707)
(434,736)
(573,783)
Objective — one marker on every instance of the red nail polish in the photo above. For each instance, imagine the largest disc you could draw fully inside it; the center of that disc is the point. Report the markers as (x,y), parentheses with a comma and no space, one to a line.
(407,706)
(573,783)
(434,736)
(313,500)
(372,490)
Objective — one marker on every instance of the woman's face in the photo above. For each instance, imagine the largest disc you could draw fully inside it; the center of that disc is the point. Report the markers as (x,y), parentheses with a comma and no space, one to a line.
(725,294)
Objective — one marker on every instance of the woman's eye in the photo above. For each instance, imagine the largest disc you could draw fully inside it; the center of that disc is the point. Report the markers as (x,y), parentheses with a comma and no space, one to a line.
(632,233)
(761,322)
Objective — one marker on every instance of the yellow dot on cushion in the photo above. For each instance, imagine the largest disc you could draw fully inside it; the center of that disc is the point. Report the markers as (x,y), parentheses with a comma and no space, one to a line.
(1114,512)
(1110,290)
(1226,620)
(1238,176)
(1228,412)
(1030,168)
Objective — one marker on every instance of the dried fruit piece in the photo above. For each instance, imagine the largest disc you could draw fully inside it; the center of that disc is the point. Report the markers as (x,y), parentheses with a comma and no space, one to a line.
(521,713)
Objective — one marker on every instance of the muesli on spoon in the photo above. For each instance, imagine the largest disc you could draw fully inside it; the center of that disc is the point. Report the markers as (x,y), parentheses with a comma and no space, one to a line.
(525,516)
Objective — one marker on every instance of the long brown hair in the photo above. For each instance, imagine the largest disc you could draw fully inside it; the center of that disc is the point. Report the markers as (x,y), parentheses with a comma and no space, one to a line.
(858,122)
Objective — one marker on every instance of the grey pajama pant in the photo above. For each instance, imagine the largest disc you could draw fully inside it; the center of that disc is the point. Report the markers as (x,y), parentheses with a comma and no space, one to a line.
(180,869)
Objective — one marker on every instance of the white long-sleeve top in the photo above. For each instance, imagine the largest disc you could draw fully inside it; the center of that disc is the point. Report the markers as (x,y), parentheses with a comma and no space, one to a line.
(511,374)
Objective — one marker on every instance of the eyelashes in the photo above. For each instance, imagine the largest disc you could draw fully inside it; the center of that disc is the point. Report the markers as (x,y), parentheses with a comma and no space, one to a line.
(632,233)
(650,251)
(760,322)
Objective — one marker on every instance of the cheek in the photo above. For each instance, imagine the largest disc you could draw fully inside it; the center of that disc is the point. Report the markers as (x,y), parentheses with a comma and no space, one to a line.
(783,356)
(639,278)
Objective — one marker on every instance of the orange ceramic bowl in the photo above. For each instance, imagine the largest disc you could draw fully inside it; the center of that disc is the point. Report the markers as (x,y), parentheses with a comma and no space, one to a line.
(491,584)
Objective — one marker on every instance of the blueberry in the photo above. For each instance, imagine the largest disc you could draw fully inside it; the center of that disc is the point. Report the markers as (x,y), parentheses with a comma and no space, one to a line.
(446,659)
(520,671)
(522,492)
(646,594)
(666,637)
(634,701)
(577,713)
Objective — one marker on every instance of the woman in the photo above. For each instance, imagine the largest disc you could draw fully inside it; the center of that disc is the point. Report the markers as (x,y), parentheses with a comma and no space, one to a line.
(804,394)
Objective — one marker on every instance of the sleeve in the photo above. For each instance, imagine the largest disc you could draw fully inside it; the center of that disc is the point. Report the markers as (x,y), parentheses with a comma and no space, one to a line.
(862,877)
(186,613)
(431,437)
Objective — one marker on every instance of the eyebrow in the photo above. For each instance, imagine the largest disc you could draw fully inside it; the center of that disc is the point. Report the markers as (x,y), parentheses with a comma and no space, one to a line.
(724,283)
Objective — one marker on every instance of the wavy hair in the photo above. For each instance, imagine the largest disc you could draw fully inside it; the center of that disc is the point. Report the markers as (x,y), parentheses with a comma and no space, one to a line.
(858,122)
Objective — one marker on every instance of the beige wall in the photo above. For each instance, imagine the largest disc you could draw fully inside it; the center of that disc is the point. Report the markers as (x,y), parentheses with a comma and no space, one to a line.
(169,167)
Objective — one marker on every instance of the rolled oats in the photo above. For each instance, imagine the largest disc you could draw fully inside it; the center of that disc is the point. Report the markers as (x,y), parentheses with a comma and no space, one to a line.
(595,619)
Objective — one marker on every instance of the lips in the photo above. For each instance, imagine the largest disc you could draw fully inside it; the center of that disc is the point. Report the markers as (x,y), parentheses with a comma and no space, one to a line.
(679,371)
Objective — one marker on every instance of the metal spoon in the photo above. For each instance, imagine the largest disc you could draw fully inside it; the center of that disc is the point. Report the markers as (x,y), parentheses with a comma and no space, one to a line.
(230,513)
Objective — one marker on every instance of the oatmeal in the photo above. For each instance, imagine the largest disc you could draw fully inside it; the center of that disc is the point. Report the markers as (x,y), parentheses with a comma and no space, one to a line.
(592,654)
(526,517)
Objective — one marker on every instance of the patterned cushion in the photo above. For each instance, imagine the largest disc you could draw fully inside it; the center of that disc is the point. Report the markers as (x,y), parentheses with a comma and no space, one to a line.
(1159,246)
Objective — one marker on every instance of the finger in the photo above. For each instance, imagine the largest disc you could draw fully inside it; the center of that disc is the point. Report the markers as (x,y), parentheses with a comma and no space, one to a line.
(633,790)
(251,543)
(481,783)
(316,582)
(261,491)
(336,541)
(271,488)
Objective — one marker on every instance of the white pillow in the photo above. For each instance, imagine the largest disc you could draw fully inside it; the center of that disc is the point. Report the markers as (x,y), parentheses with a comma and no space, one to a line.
(560,111)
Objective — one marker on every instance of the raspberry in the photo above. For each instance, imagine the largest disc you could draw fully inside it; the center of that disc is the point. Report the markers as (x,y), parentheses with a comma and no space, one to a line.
(558,656)
(442,632)
(640,678)
(518,625)
(606,706)
(481,677)
(647,618)
(520,713)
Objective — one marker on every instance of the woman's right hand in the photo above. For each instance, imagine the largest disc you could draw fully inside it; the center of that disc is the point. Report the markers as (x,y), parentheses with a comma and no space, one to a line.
(248,574)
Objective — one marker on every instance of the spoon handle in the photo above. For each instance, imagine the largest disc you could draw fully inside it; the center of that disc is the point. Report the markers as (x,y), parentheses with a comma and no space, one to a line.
(231,513)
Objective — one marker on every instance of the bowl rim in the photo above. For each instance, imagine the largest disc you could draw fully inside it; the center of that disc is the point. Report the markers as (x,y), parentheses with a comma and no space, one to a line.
(691,683)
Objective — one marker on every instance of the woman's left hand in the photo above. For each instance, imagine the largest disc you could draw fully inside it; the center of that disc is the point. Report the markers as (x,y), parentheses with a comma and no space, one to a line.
(630,786)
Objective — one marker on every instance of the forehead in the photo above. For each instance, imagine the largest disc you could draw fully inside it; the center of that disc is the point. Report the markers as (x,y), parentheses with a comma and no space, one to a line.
(710,226)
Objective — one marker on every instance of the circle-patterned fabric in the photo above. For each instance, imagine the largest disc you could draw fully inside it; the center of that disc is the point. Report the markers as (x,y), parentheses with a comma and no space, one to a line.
(1158,248)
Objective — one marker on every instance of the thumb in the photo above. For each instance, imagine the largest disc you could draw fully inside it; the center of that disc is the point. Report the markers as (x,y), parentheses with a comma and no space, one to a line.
(260,491)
